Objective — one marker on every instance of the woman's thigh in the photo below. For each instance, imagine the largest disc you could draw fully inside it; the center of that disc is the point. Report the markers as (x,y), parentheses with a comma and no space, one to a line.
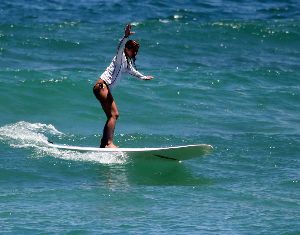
(107,101)
(109,106)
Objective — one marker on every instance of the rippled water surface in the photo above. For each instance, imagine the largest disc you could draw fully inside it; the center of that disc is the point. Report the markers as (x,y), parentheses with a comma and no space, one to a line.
(226,74)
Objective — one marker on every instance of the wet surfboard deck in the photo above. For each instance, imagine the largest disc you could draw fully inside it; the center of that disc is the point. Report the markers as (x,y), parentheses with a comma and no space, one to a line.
(178,153)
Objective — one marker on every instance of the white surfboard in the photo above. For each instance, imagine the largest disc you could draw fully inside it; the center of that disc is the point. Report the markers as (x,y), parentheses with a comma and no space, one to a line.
(178,153)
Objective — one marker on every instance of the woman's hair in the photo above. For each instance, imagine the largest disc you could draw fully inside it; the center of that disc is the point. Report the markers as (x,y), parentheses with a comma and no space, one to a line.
(131,44)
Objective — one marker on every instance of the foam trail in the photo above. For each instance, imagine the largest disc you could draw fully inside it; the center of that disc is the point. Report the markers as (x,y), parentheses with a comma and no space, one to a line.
(25,134)
(96,157)
(34,135)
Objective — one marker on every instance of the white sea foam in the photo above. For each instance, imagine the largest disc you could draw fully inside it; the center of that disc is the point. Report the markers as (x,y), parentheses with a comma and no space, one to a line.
(34,135)
(96,157)
(24,134)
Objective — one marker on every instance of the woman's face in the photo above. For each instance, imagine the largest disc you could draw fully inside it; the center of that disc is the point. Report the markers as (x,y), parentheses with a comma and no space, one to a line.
(131,53)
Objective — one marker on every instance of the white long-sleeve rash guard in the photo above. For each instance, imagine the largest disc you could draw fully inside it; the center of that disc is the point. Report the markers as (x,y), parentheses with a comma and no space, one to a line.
(119,65)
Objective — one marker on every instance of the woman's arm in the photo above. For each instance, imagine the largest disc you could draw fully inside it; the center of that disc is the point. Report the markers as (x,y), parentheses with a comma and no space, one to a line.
(121,46)
(132,71)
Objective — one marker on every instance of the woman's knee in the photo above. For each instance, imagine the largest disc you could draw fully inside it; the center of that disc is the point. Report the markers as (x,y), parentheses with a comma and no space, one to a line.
(115,115)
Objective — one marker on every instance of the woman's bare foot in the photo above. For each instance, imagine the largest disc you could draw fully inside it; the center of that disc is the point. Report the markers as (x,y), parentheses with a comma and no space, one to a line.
(111,145)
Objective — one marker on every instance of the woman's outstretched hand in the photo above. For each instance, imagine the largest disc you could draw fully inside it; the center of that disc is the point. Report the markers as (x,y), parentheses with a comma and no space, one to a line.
(148,78)
(128,31)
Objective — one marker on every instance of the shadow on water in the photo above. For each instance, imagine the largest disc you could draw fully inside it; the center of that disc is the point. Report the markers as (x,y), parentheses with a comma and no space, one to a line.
(153,173)
(159,172)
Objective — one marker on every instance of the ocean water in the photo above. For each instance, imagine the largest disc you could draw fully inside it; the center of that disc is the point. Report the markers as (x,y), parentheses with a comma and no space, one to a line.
(227,73)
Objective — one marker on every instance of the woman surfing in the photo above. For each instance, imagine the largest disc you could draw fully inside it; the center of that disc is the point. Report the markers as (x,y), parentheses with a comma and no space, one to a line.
(123,62)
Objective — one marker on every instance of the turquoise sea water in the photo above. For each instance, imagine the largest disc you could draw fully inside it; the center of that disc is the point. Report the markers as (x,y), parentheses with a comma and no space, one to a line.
(226,73)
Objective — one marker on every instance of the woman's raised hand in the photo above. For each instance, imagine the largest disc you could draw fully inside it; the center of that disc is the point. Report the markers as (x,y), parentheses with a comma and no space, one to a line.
(128,31)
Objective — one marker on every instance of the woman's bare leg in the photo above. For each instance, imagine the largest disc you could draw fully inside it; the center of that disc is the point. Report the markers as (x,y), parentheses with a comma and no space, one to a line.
(112,115)
(109,106)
